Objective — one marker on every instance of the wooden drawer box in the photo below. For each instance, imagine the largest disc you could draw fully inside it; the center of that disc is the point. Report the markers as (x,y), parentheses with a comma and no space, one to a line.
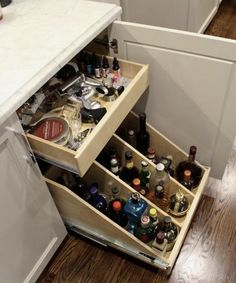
(85,219)
(80,160)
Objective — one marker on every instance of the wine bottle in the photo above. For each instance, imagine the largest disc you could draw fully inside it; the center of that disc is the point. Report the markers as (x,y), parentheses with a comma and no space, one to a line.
(196,171)
(142,137)
(129,171)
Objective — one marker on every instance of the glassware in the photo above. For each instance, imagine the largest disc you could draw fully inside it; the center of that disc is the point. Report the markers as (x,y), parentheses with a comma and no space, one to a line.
(151,155)
(129,171)
(159,187)
(154,221)
(131,138)
(142,136)
(144,230)
(187,181)
(134,209)
(179,204)
(196,171)
(144,175)
(97,200)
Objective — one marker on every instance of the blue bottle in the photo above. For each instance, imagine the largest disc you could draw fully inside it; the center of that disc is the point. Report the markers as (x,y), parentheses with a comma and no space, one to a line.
(97,200)
(134,209)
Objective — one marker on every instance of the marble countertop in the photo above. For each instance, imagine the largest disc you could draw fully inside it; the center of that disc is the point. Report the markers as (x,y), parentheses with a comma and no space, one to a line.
(37,37)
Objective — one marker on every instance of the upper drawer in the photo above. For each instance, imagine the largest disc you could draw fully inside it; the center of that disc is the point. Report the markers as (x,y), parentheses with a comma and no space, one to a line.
(117,110)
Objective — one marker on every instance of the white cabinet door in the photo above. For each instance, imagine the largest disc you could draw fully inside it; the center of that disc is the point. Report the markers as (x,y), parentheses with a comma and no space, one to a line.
(191,98)
(31,227)
(164,13)
(201,12)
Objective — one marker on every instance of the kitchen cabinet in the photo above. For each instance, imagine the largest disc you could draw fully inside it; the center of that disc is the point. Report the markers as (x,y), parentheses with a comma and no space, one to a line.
(31,227)
(188,15)
(189,97)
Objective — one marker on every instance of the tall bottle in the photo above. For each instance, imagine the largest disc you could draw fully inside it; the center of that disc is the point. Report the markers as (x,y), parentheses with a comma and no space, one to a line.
(144,175)
(142,137)
(144,230)
(196,171)
(134,209)
(129,171)
(117,215)
(159,187)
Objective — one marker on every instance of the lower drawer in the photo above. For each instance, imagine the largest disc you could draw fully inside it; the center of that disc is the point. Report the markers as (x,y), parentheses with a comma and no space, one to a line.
(80,216)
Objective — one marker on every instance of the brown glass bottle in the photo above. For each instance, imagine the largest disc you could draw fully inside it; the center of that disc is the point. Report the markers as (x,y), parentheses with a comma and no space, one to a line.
(187,181)
(142,136)
(196,171)
(129,171)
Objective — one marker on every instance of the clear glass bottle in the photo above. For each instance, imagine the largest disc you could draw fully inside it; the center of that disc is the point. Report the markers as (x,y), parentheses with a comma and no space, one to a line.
(129,171)
(97,200)
(159,187)
(134,209)
(196,171)
(142,136)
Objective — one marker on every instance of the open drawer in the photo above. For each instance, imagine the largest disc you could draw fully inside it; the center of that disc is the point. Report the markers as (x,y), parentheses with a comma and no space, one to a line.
(83,218)
(81,159)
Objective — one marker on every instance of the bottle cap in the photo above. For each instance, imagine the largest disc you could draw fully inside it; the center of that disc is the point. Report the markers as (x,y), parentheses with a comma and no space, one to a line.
(167,220)
(151,150)
(113,161)
(115,190)
(160,237)
(135,196)
(152,212)
(144,163)
(145,220)
(116,205)
(93,190)
(142,115)
(128,155)
(187,173)
(131,132)
(136,182)
(160,167)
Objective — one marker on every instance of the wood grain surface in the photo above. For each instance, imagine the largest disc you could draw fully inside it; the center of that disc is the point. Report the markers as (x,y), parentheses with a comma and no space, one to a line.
(208,253)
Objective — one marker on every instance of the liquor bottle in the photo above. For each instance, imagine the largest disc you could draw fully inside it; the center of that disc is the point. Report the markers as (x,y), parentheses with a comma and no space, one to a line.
(129,171)
(166,235)
(131,138)
(114,166)
(151,155)
(144,230)
(116,196)
(97,200)
(171,169)
(144,175)
(134,209)
(136,184)
(117,215)
(105,67)
(196,171)
(178,204)
(187,181)
(80,187)
(154,221)
(159,187)
(142,137)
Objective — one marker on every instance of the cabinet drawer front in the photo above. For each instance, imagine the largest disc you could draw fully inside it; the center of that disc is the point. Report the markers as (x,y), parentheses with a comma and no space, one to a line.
(80,160)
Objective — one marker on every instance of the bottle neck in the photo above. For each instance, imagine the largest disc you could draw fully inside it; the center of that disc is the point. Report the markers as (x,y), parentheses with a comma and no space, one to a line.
(142,124)
(192,154)
(129,164)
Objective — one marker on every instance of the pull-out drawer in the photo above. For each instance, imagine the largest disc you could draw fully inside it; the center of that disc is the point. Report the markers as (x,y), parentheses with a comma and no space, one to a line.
(85,219)
(81,159)
(80,216)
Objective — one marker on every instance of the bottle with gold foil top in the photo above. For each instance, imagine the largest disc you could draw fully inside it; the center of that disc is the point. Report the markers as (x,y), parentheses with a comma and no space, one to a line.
(178,204)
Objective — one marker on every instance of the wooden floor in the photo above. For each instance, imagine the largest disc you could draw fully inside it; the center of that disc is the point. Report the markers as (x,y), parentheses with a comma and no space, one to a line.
(208,254)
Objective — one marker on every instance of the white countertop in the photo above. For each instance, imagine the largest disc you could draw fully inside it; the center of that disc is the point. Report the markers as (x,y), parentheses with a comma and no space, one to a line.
(37,37)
